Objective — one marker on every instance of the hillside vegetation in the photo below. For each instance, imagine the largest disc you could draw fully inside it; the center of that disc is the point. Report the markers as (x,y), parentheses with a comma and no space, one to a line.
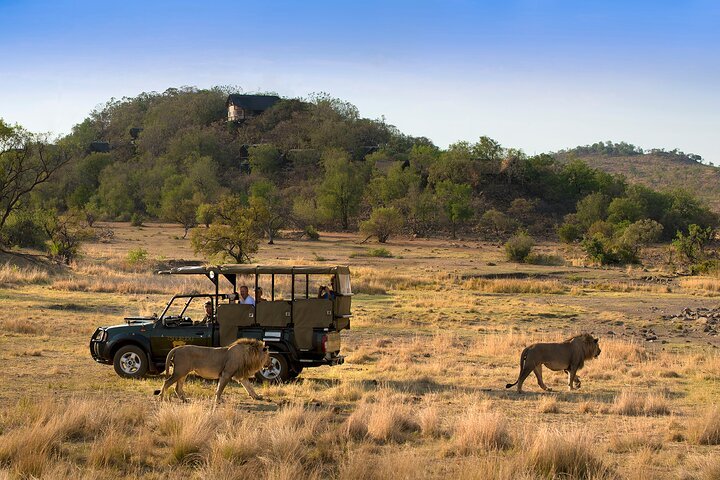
(656,169)
(309,164)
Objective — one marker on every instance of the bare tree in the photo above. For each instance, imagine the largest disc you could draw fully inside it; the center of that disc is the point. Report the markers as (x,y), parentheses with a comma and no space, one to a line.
(26,161)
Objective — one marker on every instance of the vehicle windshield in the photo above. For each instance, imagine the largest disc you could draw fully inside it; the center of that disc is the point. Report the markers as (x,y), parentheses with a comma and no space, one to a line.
(344,281)
(195,309)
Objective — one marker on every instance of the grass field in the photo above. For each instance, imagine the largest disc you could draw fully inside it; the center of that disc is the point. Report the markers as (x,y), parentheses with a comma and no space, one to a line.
(437,332)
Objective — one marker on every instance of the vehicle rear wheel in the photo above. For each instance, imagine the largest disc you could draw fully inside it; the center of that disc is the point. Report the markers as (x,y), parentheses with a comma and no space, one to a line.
(277,372)
(130,361)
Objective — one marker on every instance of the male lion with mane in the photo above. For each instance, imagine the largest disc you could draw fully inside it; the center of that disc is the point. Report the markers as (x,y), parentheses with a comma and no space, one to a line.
(239,361)
(569,356)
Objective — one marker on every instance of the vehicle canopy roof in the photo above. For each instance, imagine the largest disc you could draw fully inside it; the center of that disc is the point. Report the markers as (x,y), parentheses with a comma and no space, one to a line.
(238,269)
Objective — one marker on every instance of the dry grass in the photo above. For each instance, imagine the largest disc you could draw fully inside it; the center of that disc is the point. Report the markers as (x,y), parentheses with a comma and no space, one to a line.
(478,429)
(515,286)
(631,403)
(706,429)
(411,401)
(549,404)
(14,275)
(708,284)
(560,454)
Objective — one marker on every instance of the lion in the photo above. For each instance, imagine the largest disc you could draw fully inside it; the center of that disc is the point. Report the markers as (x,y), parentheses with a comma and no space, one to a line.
(569,356)
(239,361)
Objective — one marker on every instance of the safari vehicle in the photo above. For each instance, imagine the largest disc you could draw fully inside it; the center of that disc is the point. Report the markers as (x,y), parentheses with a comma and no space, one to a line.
(301,328)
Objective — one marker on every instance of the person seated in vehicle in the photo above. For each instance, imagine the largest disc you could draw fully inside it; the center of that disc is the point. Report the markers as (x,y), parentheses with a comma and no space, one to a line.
(208,314)
(259,295)
(245,296)
(326,292)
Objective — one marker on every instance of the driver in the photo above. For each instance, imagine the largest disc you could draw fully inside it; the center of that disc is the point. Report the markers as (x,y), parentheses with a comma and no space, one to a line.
(208,314)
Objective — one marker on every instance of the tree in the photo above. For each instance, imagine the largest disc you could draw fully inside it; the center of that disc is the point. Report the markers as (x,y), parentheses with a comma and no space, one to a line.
(267,208)
(496,223)
(265,159)
(232,234)
(26,161)
(383,222)
(455,200)
(178,204)
(692,245)
(65,233)
(340,192)
(636,236)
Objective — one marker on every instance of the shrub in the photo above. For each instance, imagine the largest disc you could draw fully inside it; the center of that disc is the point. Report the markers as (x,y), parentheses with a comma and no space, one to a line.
(137,255)
(519,247)
(692,245)
(598,249)
(569,232)
(706,267)
(383,223)
(312,233)
(380,252)
(24,229)
(136,220)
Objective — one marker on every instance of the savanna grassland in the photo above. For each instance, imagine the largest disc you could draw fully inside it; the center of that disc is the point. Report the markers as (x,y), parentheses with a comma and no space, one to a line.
(436,334)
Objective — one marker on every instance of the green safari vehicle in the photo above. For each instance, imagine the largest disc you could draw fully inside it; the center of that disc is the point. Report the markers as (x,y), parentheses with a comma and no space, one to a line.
(299,317)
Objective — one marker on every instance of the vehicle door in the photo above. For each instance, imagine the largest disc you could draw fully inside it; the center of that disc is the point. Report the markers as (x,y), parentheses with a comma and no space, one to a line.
(176,327)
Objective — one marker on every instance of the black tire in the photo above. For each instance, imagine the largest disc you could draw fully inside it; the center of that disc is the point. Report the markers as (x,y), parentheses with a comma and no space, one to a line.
(278,372)
(130,361)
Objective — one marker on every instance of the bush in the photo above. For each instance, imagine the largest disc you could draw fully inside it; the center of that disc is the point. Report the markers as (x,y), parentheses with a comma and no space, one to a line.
(708,267)
(312,233)
(692,245)
(383,222)
(136,220)
(599,249)
(519,247)
(137,255)
(380,252)
(569,232)
(24,229)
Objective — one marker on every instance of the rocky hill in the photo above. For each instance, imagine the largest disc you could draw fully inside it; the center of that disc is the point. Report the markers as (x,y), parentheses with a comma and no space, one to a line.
(659,170)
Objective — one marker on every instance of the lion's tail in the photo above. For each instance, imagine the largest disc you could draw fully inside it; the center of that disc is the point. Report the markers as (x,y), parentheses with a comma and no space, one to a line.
(169,362)
(523,357)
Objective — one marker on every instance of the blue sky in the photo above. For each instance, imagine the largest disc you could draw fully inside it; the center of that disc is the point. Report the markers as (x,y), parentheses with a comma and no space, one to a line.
(535,74)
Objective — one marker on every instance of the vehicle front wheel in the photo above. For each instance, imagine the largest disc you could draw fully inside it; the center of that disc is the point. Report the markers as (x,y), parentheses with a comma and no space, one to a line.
(130,361)
(277,372)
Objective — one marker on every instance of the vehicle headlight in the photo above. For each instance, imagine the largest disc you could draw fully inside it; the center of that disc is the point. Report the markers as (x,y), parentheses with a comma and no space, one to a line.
(100,335)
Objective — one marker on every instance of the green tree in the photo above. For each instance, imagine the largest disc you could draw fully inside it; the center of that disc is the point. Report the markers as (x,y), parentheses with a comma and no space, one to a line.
(265,159)
(383,222)
(496,223)
(455,200)
(232,234)
(692,245)
(26,161)
(267,208)
(341,189)
(179,204)
(635,237)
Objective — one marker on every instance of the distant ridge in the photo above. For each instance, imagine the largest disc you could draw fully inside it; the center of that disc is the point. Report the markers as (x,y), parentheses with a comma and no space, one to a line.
(657,169)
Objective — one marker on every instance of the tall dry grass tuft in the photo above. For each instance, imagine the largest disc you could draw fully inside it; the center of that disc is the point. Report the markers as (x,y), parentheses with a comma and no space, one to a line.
(706,429)
(511,285)
(363,463)
(478,430)
(388,419)
(709,284)
(30,449)
(187,430)
(549,404)
(429,421)
(561,454)
(391,419)
(631,403)
(14,275)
